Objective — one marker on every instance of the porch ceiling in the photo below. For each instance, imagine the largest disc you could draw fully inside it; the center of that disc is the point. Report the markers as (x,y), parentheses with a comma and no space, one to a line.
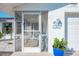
(30,6)
(39,6)
(8,6)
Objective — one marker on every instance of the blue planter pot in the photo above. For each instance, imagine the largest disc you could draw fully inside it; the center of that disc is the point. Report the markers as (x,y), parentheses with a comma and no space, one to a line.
(58,52)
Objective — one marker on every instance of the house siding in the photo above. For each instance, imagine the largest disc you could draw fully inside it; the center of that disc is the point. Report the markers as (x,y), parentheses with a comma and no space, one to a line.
(59,14)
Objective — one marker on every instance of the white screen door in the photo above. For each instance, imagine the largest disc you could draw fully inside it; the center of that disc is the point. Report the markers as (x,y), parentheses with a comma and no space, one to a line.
(31,41)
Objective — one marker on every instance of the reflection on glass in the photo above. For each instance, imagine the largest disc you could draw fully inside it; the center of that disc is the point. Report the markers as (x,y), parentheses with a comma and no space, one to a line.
(31,22)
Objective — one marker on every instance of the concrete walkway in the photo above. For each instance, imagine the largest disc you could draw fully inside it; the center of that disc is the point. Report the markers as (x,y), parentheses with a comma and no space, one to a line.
(31,54)
(42,54)
(76,53)
(6,53)
(35,54)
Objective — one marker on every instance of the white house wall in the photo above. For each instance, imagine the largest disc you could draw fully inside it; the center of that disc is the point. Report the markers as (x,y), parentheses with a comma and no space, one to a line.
(58,14)
(52,33)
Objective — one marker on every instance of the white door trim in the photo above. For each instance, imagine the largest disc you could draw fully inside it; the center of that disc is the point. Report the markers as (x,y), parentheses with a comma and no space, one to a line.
(72,30)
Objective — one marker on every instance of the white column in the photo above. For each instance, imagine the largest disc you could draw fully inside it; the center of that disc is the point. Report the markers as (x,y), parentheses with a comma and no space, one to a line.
(14,27)
(22,32)
(40,31)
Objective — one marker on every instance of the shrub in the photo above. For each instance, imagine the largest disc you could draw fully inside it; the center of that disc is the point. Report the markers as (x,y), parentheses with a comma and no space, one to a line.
(1,34)
(60,44)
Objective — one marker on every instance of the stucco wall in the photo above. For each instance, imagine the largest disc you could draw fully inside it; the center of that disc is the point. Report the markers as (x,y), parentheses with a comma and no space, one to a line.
(58,14)
(52,33)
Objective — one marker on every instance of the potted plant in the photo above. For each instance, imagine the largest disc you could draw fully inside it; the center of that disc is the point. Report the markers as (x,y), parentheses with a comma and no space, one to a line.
(1,34)
(59,46)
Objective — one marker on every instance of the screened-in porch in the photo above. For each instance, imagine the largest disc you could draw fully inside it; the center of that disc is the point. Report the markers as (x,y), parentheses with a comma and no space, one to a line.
(31,31)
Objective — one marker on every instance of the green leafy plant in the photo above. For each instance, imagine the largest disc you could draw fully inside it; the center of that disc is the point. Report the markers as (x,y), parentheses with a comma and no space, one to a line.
(60,44)
(7,31)
(1,34)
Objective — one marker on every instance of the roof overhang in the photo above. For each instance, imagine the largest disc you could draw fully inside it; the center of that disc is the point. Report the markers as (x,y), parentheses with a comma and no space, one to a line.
(39,6)
(4,15)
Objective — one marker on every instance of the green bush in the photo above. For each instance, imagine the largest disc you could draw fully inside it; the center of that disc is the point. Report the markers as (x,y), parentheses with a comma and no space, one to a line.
(1,34)
(60,44)
(8,31)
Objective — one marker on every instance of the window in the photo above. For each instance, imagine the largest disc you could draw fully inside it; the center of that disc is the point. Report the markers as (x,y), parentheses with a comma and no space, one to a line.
(7,27)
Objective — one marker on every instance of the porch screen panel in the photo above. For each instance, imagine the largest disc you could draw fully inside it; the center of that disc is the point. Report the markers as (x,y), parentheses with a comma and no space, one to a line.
(18,27)
(18,35)
(31,30)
